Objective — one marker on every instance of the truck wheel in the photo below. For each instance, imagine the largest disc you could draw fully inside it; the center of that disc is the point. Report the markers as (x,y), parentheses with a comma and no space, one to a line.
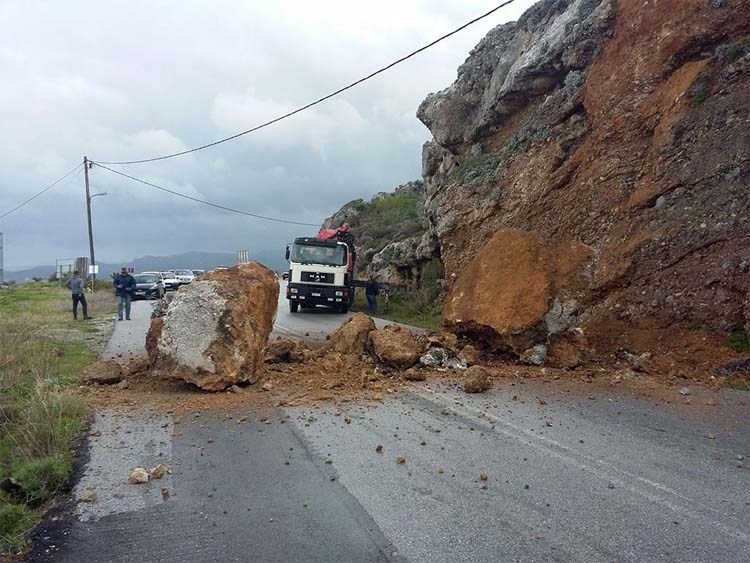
(293,306)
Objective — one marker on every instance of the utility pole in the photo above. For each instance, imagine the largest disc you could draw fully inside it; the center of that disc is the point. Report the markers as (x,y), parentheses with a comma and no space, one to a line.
(88,216)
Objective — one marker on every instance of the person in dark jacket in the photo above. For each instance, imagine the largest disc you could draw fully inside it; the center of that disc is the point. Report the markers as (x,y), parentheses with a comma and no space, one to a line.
(124,288)
(75,285)
(371,292)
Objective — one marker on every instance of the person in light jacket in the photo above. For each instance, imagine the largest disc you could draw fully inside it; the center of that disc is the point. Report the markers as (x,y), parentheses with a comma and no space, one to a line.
(75,285)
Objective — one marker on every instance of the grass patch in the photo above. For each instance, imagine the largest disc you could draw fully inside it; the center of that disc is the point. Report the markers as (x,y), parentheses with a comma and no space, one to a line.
(739,341)
(738,383)
(401,309)
(42,354)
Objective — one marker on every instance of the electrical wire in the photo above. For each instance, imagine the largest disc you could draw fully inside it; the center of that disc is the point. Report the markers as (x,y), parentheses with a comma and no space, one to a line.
(36,195)
(216,205)
(319,100)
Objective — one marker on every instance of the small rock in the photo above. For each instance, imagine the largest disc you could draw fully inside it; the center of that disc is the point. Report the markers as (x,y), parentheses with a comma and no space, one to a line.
(441,470)
(165,493)
(400,460)
(711,402)
(379,448)
(711,436)
(235,389)
(138,475)
(88,496)
(535,356)
(158,471)
(328,461)
(484,476)
(477,380)
(611,485)
(684,391)
(124,384)
(267,386)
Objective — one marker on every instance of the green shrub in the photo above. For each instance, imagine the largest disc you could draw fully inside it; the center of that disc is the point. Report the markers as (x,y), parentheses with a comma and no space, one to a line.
(41,477)
(737,50)
(739,341)
(15,521)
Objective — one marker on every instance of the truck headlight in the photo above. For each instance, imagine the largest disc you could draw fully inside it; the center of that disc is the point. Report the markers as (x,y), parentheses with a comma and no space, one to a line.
(294,290)
(339,293)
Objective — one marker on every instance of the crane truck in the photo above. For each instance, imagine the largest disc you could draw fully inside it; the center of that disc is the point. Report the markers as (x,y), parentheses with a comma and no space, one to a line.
(321,270)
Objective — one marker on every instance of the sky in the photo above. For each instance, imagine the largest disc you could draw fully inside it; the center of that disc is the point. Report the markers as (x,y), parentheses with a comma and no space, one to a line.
(137,79)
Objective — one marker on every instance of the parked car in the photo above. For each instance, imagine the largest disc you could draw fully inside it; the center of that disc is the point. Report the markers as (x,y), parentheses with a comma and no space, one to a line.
(149,286)
(170,280)
(197,273)
(184,276)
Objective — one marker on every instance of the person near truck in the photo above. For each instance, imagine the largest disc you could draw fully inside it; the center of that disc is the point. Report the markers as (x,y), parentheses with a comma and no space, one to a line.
(371,292)
(75,285)
(124,288)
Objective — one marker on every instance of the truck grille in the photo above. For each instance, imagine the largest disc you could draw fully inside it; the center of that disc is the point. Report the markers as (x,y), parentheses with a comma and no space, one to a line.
(316,277)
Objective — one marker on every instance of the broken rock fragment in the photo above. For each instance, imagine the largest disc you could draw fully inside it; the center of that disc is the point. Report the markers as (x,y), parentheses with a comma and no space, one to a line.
(477,380)
(285,350)
(351,337)
(104,373)
(138,475)
(395,346)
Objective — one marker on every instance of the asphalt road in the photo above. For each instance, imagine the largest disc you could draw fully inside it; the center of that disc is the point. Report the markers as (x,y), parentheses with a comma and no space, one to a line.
(572,474)
(309,325)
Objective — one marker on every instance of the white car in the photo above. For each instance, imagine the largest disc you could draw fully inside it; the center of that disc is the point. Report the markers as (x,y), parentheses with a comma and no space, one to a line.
(184,276)
(170,281)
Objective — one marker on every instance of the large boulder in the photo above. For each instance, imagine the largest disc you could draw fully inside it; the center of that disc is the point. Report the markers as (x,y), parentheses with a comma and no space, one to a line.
(351,336)
(395,346)
(215,330)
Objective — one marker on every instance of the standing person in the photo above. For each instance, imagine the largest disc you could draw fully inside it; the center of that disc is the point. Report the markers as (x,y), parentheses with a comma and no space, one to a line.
(371,291)
(124,287)
(75,285)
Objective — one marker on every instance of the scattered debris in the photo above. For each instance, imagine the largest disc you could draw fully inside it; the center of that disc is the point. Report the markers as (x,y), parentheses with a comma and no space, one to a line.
(400,460)
(88,495)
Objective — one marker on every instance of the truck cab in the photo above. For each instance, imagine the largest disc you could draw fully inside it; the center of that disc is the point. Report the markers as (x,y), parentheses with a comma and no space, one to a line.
(320,273)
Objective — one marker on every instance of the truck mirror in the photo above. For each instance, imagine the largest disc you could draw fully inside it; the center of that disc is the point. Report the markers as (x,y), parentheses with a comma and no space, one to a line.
(287,252)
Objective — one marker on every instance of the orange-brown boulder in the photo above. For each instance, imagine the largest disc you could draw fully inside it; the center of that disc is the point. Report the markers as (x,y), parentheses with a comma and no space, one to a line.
(395,346)
(351,336)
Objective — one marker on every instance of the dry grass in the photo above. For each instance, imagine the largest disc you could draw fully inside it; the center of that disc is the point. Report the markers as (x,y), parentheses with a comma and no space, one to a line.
(42,353)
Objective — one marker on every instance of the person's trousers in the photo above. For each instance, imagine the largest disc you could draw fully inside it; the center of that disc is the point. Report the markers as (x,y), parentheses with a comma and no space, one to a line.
(372,303)
(123,302)
(82,300)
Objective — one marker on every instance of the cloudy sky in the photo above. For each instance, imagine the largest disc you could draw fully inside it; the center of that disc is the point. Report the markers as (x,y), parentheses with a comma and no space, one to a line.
(129,80)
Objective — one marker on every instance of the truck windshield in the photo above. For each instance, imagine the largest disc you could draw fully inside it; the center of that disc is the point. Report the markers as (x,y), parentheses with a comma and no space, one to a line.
(314,254)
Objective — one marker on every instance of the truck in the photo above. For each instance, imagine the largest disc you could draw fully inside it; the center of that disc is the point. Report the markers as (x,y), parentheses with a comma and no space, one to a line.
(321,270)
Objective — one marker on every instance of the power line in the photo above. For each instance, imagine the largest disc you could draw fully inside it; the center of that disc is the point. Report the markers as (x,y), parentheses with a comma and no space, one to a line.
(52,185)
(216,205)
(319,100)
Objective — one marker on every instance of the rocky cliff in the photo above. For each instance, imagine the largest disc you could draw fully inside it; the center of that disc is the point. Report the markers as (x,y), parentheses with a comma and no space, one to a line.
(393,244)
(588,176)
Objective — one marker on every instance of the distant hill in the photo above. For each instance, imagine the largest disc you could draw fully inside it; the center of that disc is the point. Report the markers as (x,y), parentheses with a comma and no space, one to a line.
(196,260)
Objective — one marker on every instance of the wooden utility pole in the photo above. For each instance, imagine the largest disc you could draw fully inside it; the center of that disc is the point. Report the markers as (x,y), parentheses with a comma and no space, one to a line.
(88,216)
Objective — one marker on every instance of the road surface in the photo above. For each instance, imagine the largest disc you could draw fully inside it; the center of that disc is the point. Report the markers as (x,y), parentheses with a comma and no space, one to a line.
(572,474)
(309,325)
